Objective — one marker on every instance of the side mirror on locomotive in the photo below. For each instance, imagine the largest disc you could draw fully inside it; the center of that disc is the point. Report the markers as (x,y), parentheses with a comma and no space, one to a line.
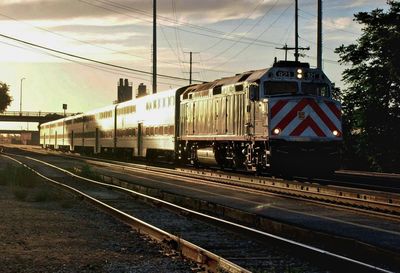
(254,93)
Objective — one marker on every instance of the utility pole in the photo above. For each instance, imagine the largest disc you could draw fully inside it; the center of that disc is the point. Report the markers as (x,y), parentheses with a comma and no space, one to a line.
(296,30)
(319,35)
(154,46)
(20,97)
(64,108)
(191,65)
(190,70)
(286,48)
(296,39)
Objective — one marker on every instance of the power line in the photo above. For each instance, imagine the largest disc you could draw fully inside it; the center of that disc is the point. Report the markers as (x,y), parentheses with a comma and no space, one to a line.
(244,41)
(92,60)
(237,27)
(167,19)
(178,44)
(68,37)
(329,23)
(237,41)
(262,33)
(81,41)
(311,42)
(114,71)
(172,49)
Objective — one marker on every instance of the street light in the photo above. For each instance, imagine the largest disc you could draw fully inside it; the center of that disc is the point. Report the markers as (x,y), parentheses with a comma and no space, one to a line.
(64,108)
(20,98)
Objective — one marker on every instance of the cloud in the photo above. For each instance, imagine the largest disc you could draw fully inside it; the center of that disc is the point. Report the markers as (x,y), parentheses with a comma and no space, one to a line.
(340,4)
(339,23)
(98,28)
(49,10)
(205,11)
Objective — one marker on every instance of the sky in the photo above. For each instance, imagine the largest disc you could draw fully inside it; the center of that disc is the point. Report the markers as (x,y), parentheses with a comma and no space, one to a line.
(226,37)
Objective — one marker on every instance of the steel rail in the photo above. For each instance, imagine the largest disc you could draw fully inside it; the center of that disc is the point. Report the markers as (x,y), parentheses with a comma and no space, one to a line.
(354,182)
(211,261)
(392,176)
(367,199)
(342,172)
(196,253)
(383,203)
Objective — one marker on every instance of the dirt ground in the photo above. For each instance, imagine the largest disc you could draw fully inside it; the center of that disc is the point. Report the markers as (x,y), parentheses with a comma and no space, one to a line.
(42,230)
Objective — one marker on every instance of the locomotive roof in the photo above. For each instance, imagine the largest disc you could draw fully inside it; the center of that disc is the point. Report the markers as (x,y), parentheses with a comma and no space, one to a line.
(248,76)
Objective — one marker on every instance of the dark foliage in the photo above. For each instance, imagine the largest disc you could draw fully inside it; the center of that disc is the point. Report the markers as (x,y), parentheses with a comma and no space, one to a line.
(5,98)
(371,103)
(53,116)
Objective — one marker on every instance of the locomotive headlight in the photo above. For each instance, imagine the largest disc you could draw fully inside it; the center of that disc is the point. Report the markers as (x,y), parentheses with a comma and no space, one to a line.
(276,131)
(299,73)
(335,132)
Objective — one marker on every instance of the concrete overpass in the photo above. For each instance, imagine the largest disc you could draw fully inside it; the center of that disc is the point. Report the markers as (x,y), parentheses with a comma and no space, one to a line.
(40,117)
(17,132)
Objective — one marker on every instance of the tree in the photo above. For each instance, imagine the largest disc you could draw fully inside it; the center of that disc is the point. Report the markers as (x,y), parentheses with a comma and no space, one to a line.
(371,103)
(5,98)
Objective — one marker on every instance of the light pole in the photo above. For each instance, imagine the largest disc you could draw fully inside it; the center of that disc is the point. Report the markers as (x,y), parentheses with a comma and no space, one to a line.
(20,98)
(64,108)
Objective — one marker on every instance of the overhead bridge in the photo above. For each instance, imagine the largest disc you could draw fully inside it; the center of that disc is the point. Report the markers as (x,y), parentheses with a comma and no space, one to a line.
(15,132)
(40,117)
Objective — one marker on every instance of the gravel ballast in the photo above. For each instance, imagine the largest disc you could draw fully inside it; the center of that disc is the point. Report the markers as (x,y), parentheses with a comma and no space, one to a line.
(42,230)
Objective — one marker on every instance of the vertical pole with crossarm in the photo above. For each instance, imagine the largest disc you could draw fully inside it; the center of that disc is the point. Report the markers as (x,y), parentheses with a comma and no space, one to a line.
(191,65)
(190,72)
(20,98)
(154,46)
(319,35)
(296,26)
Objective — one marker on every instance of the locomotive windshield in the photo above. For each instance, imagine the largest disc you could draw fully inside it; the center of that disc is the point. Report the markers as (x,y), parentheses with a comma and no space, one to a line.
(272,88)
(315,89)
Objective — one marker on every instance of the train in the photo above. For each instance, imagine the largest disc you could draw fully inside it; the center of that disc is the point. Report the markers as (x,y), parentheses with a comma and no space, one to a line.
(282,119)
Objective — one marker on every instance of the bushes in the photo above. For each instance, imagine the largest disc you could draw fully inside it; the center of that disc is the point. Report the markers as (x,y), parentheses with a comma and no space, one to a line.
(86,171)
(27,186)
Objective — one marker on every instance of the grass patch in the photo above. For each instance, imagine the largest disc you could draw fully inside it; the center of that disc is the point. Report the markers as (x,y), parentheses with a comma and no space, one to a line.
(20,194)
(5,174)
(86,171)
(25,178)
(43,195)
(27,186)
(24,184)
(67,203)
(17,176)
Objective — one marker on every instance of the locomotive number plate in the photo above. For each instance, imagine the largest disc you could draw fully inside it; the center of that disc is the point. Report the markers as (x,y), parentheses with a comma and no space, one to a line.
(301,115)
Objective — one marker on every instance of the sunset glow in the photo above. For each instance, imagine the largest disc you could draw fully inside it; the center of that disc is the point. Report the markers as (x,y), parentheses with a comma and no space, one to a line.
(228,37)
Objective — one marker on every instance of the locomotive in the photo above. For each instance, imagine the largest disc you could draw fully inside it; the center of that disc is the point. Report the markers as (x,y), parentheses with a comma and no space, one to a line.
(282,119)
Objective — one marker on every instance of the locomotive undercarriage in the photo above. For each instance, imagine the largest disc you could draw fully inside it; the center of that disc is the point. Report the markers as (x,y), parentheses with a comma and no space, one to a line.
(251,155)
(278,157)
(310,158)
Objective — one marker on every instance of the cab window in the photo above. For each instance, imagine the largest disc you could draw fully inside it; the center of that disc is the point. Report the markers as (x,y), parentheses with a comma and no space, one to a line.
(272,88)
(315,89)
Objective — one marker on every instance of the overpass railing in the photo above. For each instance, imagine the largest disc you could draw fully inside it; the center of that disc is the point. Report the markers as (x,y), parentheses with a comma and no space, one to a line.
(33,114)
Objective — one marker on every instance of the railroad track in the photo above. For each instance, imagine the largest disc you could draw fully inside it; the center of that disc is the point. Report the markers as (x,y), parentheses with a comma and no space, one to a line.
(360,199)
(249,254)
(356,182)
(384,182)
(366,180)
(376,202)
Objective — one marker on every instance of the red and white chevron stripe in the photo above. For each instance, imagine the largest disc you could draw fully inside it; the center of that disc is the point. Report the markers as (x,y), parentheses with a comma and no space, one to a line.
(305,117)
